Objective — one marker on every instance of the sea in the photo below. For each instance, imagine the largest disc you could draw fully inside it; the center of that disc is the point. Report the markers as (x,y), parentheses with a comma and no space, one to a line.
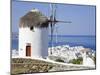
(77,40)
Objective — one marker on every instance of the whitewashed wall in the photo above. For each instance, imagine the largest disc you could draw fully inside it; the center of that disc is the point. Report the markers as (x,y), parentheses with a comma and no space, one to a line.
(38,39)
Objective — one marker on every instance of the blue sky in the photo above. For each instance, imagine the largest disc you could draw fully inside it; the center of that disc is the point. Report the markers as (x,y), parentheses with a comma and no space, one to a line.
(81,16)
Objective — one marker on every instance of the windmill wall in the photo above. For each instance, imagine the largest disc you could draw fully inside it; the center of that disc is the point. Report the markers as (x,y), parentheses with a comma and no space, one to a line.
(37,39)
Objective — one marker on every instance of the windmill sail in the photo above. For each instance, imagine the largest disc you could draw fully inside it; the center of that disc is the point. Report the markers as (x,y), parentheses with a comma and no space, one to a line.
(51,25)
(53,21)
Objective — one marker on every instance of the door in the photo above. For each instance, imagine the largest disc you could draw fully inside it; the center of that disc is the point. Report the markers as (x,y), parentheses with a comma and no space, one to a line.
(28,50)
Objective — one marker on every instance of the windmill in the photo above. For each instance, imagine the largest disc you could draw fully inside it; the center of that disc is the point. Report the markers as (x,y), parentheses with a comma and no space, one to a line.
(33,33)
(53,21)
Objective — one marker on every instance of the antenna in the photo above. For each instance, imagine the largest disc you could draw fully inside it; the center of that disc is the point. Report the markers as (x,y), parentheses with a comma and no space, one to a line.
(56,35)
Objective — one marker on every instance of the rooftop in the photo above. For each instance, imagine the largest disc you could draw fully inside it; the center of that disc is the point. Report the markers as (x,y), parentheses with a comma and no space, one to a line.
(33,18)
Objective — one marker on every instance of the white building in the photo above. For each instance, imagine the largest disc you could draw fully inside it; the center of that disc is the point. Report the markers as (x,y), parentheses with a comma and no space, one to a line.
(33,35)
(87,61)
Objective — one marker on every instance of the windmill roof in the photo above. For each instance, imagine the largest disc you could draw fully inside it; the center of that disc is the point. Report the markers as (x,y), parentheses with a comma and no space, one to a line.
(34,18)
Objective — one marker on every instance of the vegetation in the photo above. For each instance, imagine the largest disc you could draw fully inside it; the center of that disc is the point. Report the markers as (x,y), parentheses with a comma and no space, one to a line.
(76,61)
(59,60)
(94,59)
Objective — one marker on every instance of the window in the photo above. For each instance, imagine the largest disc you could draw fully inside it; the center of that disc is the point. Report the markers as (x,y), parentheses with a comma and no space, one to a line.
(31,28)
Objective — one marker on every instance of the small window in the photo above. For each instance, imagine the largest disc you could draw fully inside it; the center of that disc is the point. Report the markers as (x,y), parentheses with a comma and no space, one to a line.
(31,28)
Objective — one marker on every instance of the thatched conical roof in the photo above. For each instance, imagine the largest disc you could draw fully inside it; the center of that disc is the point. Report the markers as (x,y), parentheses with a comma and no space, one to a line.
(34,18)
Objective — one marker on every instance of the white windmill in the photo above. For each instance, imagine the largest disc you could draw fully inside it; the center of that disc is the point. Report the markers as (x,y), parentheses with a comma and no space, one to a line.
(33,33)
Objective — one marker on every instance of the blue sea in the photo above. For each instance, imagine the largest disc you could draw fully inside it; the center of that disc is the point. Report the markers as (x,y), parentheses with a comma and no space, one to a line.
(85,41)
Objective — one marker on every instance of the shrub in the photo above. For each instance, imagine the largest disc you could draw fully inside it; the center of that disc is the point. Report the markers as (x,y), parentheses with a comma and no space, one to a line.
(76,61)
(59,60)
(94,59)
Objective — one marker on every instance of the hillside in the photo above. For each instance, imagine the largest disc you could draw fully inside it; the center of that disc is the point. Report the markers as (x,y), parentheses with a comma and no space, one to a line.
(28,66)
